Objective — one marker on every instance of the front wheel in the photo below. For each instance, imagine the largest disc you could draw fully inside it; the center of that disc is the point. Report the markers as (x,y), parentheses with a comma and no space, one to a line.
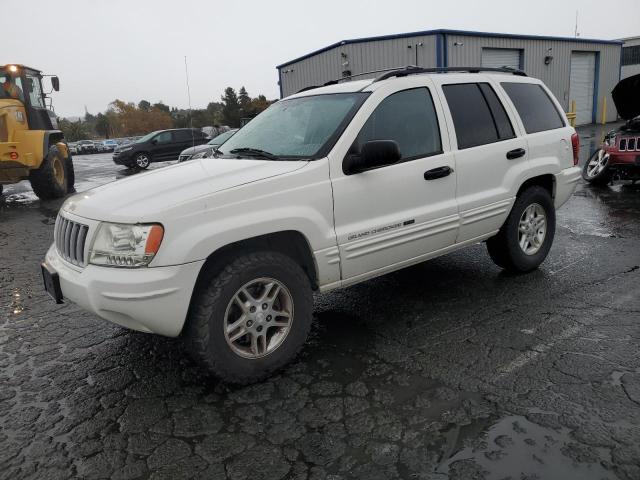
(142,160)
(596,170)
(250,319)
(51,180)
(525,238)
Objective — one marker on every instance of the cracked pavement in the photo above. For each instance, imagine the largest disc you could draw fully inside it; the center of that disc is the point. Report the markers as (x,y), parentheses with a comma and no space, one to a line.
(450,369)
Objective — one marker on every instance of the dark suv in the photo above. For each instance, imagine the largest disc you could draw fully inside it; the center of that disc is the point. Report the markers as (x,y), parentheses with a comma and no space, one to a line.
(158,146)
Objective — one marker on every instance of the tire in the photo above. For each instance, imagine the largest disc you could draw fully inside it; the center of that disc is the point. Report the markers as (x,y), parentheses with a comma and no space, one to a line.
(213,309)
(142,161)
(71,175)
(51,180)
(505,248)
(596,170)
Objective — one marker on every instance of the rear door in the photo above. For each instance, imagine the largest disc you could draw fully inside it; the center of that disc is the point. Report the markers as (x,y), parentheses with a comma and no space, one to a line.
(183,139)
(489,156)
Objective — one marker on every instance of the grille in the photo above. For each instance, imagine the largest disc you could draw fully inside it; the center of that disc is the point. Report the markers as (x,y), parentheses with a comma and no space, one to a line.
(70,239)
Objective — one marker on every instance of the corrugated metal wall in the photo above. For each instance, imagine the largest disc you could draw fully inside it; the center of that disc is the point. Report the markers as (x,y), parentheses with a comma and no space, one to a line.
(460,50)
(555,75)
(362,57)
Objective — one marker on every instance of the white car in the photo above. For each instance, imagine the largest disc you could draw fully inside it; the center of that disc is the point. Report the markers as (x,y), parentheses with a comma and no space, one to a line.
(325,189)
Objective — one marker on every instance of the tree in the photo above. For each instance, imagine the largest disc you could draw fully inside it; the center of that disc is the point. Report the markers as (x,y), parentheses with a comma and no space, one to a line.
(144,105)
(245,103)
(161,106)
(73,131)
(103,126)
(230,108)
(259,104)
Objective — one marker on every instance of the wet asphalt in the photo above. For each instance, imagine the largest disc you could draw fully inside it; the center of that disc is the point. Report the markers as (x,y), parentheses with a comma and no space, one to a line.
(449,369)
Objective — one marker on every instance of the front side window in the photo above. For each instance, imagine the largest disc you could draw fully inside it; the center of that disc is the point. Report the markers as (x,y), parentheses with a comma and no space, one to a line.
(537,111)
(34,91)
(409,119)
(300,128)
(164,137)
(11,86)
(478,116)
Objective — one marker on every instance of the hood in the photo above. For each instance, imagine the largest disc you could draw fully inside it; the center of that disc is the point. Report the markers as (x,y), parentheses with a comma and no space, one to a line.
(148,196)
(626,96)
(196,149)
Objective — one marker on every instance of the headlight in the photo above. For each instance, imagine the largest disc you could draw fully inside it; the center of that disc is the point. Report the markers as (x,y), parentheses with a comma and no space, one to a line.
(206,154)
(120,245)
(125,149)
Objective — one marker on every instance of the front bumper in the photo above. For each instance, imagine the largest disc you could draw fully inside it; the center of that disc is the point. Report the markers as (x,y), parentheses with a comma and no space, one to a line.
(152,299)
(566,182)
(123,158)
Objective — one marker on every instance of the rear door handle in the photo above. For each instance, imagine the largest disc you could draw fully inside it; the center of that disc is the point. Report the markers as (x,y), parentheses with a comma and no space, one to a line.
(517,153)
(439,172)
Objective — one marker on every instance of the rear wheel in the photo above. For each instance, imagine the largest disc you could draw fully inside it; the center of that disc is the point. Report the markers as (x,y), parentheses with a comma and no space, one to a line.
(250,319)
(596,170)
(525,238)
(142,160)
(51,180)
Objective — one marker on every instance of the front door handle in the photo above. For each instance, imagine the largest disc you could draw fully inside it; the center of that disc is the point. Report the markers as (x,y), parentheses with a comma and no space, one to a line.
(517,153)
(439,172)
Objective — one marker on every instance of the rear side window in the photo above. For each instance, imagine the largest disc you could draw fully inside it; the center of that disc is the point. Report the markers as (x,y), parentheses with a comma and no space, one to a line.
(184,135)
(537,111)
(408,118)
(478,116)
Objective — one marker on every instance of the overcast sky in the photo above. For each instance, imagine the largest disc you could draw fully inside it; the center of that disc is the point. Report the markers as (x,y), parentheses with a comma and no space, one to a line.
(135,49)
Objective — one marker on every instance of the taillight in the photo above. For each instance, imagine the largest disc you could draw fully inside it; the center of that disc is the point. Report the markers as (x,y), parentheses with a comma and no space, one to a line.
(575,144)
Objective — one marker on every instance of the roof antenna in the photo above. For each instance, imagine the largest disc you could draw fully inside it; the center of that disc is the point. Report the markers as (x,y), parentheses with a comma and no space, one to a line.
(186,73)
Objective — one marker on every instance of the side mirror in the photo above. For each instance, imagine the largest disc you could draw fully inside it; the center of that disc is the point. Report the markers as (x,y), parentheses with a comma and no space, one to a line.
(154,141)
(373,154)
(55,83)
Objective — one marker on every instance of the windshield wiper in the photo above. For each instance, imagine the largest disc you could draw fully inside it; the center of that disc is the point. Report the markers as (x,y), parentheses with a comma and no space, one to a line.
(255,152)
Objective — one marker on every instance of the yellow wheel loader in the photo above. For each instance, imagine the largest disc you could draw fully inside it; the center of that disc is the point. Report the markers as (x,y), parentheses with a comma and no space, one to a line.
(31,146)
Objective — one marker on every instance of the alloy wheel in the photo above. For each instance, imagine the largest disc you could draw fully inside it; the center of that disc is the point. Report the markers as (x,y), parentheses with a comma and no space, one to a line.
(142,161)
(597,164)
(532,229)
(258,318)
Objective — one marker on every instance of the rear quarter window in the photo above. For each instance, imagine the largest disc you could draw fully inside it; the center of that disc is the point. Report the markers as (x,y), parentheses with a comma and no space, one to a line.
(536,109)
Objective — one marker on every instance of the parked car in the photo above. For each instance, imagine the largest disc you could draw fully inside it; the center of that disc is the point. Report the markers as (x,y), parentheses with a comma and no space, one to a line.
(109,145)
(160,146)
(618,158)
(99,147)
(324,189)
(73,148)
(207,149)
(86,146)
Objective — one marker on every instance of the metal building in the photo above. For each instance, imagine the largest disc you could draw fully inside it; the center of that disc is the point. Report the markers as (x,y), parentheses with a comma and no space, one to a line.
(575,69)
(630,57)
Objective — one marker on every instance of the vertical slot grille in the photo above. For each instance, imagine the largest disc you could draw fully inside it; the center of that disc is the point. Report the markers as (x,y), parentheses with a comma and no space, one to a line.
(70,239)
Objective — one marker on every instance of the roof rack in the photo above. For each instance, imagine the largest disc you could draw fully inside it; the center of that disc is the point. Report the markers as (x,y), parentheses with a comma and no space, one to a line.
(348,77)
(413,70)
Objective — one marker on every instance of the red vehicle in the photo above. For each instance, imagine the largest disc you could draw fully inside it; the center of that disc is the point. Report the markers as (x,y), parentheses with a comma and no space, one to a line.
(619,156)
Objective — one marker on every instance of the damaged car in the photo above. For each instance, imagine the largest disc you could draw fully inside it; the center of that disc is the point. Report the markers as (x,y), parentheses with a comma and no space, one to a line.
(619,156)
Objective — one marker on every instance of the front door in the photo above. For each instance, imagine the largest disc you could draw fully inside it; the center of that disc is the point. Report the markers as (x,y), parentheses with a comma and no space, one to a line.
(395,215)
(162,146)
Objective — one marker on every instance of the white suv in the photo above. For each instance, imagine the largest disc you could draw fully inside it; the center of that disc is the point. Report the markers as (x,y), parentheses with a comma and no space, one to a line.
(327,188)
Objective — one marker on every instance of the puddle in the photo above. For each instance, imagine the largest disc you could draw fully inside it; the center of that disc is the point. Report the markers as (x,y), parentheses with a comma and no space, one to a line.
(517,448)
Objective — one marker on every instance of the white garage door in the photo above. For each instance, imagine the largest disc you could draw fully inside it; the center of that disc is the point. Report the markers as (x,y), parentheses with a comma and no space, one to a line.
(583,68)
(501,57)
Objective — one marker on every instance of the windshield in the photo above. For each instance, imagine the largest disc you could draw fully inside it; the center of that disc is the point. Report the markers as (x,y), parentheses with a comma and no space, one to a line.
(147,137)
(220,139)
(299,127)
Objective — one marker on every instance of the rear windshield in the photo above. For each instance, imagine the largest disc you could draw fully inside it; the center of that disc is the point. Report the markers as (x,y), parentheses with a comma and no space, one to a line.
(537,111)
